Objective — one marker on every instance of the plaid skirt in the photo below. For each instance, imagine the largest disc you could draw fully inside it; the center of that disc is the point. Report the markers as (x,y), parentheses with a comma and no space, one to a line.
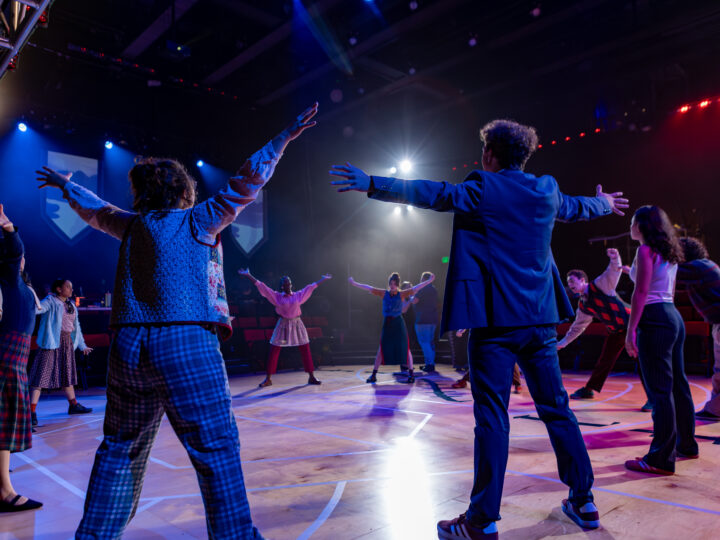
(15,427)
(55,368)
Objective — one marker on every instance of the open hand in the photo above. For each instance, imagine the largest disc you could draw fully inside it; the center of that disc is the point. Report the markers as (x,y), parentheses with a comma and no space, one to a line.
(354,179)
(87,351)
(302,122)
(615,199)
(51,178)
(327,276)
(244,271)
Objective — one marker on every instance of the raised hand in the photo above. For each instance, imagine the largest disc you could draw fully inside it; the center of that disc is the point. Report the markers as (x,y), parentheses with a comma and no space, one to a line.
(5,222)
(302,122)
(354,179)
(615,199)
(351,281)
(51,178)
(613,253)
(327,276)
(244,272)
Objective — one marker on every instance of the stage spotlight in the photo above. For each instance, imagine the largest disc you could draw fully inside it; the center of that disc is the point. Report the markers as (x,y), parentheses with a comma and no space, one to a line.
(392,170)
(397,211)
(22,126)
(406,165)
(108,145)
(413,5)
(410,208)
(200,163)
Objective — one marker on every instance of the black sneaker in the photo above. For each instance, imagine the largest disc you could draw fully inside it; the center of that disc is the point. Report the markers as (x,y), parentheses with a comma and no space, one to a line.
(707,416)
(78,409)
(313,380)
(429,368)
(410,379)
(647,407)
(371,379)
(33,418)
(582,393)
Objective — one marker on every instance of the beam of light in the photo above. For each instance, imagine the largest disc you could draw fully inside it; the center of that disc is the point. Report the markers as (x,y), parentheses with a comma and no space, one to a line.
(407,491)
(323,35)
(406,166)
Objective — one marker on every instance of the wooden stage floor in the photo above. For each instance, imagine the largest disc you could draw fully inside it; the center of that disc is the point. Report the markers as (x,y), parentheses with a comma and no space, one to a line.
(350,460)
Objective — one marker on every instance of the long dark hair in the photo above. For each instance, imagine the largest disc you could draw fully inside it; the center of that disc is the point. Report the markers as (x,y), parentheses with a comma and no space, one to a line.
(658,233)
(395,276)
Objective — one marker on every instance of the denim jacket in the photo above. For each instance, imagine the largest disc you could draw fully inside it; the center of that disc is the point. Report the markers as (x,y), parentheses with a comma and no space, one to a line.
(51,310)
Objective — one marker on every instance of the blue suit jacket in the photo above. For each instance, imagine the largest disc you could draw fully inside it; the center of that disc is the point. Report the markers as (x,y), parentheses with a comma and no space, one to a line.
(501,272)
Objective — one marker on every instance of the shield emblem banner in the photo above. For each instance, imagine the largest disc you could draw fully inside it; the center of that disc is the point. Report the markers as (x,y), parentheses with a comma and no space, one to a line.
(248,230)
(63,220)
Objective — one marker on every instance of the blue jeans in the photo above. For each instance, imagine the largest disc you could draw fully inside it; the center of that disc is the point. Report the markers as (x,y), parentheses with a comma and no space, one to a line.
(492,353)
(660,339)
(426,336)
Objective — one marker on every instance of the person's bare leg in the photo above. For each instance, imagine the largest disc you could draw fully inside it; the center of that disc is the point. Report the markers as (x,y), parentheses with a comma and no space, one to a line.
(378,360)
(7,491)
(69,393)
(35,395)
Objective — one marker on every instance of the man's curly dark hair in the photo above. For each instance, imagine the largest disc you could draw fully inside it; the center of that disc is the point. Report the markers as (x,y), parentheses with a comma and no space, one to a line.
(693,249)
(511,143)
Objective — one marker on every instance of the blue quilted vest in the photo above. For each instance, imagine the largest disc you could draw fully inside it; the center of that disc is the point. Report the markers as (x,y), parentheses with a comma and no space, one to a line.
(165,275)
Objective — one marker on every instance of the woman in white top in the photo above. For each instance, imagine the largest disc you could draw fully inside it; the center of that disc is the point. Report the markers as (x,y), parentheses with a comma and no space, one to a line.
(656,335)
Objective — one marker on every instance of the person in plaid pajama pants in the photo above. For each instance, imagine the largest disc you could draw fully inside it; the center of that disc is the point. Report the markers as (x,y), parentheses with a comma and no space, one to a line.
(169,305)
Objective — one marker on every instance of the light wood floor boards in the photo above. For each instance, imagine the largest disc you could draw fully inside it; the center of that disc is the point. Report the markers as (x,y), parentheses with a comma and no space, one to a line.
(349,460)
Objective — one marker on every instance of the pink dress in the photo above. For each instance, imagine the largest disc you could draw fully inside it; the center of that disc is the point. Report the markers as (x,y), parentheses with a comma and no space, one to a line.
(289,330)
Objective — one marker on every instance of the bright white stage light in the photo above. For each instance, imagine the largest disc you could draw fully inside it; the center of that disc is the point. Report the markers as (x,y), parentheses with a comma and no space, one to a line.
(22,127)
(108,145)
(406,165)
(200,163)
(393,170)
(410,208)
(397,210)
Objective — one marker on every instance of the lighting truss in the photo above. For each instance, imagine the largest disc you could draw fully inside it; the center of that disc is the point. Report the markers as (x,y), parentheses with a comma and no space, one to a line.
(18,20)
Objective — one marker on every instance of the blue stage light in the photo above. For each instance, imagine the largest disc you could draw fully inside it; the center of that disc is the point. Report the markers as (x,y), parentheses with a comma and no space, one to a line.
(108,145)
(200,163)
(22,126)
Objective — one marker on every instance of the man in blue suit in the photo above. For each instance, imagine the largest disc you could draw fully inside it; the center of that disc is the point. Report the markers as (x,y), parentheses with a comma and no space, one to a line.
(503,284)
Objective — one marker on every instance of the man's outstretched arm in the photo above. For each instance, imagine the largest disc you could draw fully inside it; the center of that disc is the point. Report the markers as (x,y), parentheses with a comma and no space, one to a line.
(439,196)
(585,208)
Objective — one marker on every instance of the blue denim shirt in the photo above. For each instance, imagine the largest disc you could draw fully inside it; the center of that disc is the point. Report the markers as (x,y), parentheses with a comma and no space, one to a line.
(48,337)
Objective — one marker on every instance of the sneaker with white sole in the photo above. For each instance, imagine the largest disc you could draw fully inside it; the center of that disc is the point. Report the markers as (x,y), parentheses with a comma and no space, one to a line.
(586,516)
(460,529)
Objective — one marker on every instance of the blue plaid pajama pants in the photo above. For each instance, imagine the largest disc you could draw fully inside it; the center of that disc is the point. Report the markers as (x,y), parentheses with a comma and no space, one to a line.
(177,370)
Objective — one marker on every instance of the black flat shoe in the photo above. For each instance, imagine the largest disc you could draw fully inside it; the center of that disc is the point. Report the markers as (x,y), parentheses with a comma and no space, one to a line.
(313,380)
(78,409)
(6,506)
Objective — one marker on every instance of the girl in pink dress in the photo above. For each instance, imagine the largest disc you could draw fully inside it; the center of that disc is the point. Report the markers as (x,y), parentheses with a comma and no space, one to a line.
(289,330)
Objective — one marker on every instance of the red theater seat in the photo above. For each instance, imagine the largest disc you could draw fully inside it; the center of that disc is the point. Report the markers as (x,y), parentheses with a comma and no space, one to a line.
(244,322)
(267,322)
(97,340)
(252,334)
(314,332)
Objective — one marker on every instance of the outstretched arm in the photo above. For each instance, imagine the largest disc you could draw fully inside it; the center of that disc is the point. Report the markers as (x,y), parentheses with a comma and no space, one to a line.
(578,326)
(585,208)
(411,292)
(99,214)
(608,280)
(245,272)
(213,215)
(368,288)
(438,196)
(324,277)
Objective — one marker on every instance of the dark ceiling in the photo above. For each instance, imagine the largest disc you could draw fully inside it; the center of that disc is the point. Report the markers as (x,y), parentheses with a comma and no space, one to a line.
(224,58)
